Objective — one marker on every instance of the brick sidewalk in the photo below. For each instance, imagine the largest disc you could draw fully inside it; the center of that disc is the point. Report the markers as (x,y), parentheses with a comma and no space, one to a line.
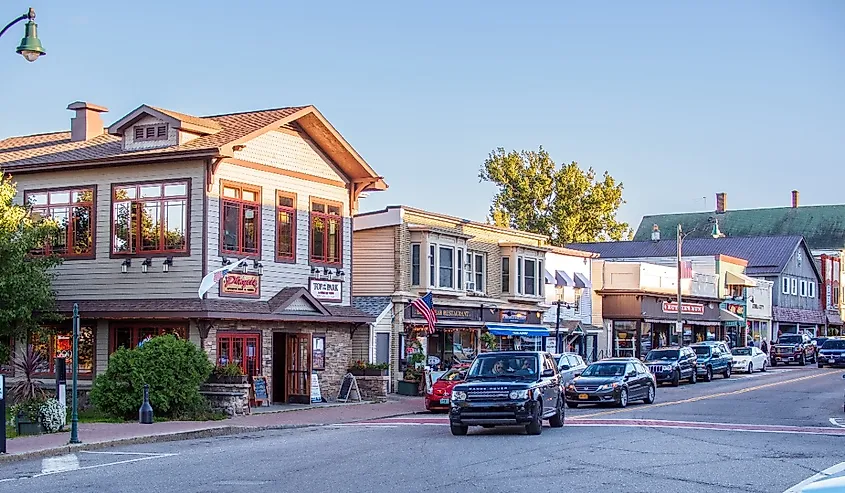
(102,434)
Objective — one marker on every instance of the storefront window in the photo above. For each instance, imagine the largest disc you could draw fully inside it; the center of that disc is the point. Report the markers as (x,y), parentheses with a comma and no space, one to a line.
(318,353)
(647,338)
(240,349)
(59,344)
(624,337)
(131,336)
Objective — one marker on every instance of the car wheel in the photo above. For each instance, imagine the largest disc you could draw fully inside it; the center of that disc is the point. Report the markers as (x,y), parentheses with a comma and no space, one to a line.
(623,398)
(650,396)
(727,373)
(774,362)
(572,405)
(708,376)
(765,367)
(750,368)
(693,378)
(535,427)
(556,421)
(458,430)
(820,365)
(676,380)
(802,361)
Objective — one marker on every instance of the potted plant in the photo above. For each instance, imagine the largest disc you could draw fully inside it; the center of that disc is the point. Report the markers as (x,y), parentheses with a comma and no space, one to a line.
(27,417)
(489,341)
(358,368)
(227,374)
(376,370)
(410,384)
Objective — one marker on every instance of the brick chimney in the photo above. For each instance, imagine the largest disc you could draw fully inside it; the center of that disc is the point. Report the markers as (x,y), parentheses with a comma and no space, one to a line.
(721,202)
(795,198)
(87,123)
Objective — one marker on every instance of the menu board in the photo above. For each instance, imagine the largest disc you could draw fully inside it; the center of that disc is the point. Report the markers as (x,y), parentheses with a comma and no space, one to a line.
(259,389)
(316,396)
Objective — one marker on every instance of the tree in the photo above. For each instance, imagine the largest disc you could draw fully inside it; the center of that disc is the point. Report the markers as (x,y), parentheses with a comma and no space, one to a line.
(26,297)
(566,203)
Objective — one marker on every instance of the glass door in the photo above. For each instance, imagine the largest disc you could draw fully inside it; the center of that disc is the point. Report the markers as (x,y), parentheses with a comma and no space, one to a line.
(299,368)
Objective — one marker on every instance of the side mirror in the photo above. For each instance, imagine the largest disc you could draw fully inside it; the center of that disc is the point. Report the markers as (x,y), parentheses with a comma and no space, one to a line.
(565,367)
(548,373)
(642,358)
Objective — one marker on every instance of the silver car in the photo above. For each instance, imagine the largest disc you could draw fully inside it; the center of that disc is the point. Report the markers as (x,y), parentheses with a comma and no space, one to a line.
(570,365)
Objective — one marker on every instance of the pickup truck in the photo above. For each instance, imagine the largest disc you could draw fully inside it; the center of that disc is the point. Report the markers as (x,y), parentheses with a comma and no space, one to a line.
(793,348)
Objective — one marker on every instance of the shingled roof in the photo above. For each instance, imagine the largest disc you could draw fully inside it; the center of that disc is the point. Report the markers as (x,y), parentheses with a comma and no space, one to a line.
(766,255)
(822,226)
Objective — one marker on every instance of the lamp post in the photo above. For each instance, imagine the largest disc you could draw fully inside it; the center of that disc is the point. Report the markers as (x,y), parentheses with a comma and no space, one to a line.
(558,302)
(30,47)
(74,415)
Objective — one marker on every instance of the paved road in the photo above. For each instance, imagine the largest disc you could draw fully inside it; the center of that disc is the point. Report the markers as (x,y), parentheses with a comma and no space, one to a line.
(763,433)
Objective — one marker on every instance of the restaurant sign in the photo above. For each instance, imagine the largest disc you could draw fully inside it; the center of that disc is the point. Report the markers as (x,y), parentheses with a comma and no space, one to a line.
(513,316)
(450,313)
(240,285)
(325,290)
(688,308)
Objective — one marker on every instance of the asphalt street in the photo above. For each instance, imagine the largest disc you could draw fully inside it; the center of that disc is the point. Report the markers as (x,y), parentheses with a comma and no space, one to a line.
(774,430)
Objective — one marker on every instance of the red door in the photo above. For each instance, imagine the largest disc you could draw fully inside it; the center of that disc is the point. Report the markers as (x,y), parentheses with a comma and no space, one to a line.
(298,377)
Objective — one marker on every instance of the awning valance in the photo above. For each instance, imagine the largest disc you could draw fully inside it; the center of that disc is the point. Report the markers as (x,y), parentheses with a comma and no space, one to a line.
(737,279)
(517,330)
(563,280)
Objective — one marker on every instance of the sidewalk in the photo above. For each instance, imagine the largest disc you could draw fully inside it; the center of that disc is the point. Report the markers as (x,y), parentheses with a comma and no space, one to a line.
(98,435)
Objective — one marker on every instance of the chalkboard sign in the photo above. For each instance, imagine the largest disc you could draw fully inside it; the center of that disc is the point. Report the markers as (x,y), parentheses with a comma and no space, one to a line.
(259,389)
(347,386)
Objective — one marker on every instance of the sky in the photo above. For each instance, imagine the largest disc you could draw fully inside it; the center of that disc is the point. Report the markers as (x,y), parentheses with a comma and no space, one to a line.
(677,100)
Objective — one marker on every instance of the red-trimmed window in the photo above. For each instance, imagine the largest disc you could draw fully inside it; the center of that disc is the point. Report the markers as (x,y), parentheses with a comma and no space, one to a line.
(326,232)
(285,226)
(240,219)
(73,211)
(150,218)
(58,343)
(241,349)
(130,336)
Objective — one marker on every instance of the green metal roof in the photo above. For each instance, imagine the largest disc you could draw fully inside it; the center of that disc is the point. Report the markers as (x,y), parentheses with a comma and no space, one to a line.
(822,226)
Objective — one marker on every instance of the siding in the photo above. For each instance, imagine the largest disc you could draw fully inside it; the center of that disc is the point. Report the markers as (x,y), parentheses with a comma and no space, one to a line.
(373,269)
(101,278)
(290,151)
(803,271)
(129,136)
(360,343)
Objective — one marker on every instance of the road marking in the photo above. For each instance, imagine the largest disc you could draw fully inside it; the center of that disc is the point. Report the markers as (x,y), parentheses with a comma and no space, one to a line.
(836,422)
(709,396)
(70,462)
(830,471)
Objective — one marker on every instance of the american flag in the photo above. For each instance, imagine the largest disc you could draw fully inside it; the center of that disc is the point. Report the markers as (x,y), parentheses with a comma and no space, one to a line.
(686,269)
(425,305)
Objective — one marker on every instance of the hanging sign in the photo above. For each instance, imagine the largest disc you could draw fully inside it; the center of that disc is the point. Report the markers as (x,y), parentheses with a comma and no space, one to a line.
(513,316)
(240,285)
(690,308)
(326,290)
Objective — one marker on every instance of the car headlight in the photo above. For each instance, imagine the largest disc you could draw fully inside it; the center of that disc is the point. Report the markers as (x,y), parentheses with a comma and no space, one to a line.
(520,394)
(459,396)
(608,386)
(571,386)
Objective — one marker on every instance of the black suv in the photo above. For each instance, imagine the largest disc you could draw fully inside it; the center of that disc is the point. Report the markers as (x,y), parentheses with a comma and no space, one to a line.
(672,364)
(509,388)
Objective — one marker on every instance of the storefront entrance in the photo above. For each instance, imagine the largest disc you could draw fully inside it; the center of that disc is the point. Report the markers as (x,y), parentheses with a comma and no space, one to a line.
(291,379)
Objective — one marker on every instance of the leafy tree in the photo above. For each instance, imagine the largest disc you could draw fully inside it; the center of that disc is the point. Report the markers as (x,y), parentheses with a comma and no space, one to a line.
(27,300)
(566,203)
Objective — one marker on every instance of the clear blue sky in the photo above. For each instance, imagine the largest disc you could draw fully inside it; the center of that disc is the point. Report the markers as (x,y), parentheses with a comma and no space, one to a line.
(678,100)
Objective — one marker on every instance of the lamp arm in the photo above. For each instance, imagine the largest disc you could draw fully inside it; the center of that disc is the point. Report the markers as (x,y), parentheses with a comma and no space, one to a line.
(9,25)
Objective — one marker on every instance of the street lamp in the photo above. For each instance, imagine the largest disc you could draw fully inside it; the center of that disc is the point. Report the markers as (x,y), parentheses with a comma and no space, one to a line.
(569,306)
(30,47)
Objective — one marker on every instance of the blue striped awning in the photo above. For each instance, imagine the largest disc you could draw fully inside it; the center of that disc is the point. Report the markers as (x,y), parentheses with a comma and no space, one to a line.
(517,330)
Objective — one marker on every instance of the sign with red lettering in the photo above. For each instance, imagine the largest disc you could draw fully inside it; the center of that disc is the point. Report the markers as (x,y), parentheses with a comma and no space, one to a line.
(239,285)
(326,290)
(690,308)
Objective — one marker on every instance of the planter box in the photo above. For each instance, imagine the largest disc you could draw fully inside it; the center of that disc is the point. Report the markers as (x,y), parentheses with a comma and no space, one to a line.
(408,388)
(357,372)
(227,380)
(375,373)
(23,426)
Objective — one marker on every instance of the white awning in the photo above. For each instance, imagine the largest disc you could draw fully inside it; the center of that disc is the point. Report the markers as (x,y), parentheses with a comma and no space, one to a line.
(728,316)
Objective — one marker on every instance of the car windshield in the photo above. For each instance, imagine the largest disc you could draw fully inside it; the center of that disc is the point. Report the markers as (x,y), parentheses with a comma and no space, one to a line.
(834,344)
(605,370)
(451,376)
(668,354)
(741,351)
(702,350)
(504,366)
(790,340)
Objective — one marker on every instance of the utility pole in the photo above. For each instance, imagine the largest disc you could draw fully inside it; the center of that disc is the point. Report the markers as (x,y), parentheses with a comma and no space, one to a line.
(680,324)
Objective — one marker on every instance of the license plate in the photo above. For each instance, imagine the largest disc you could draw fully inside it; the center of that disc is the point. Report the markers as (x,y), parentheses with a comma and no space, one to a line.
(583,396)
(444,401)
(832,360)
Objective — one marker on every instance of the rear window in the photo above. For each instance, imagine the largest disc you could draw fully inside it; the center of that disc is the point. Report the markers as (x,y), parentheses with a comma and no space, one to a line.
(451,375)
(833,344)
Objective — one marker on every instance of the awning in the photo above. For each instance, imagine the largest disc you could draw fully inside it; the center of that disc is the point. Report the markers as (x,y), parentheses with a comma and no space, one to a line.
(517,330)
(834,319)
(550,279)
(729,316)
(737,279)
(563,279)
(581,281)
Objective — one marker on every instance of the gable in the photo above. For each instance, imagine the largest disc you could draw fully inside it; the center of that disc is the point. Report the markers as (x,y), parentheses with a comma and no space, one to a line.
(297,300)
(290,150)
(301,305)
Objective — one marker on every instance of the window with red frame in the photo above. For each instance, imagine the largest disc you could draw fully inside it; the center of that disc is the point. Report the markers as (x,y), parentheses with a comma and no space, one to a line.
(150,218)
(240,219)
(285,226)
(73,211)
(58,343)
(326,232)
(130,336)
(240,349)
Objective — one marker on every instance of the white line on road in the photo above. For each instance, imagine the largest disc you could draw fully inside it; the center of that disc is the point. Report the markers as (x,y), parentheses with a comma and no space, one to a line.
(830,471)
(836,422)
(51,470)
(124,453)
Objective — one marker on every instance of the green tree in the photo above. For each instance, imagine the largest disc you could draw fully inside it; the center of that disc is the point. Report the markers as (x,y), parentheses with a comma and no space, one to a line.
(26,297)
(566,203)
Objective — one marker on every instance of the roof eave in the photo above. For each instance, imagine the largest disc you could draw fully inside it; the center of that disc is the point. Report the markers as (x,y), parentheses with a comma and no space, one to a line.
(116,160)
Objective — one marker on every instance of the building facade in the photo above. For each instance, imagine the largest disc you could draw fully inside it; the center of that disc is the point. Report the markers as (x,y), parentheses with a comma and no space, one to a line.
(150,205)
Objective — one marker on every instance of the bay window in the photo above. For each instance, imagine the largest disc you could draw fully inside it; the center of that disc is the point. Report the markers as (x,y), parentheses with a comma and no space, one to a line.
(73,212)
(519,275)
(326,232)
(285,227)
(506,274)
(447,267)
(431,263)
(240,219)
(131,335)
(530,277)
(58,343)
(460,268)
(242,349)
(415,264)
(478,272)
(150,218)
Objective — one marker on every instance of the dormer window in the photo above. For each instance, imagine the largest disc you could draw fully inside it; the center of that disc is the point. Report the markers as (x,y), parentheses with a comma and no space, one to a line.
(150,132)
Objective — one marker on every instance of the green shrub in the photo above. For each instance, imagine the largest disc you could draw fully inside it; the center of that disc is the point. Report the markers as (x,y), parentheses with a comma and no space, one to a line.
(174,370)
(229,370)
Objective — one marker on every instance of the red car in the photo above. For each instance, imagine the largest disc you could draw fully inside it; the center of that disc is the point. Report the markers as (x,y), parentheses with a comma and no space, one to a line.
(440,394)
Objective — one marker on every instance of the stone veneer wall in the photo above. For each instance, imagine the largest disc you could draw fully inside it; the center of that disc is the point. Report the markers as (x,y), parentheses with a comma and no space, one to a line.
(373,388)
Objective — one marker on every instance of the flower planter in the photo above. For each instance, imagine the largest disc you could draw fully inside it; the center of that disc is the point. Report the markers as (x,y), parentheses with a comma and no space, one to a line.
(227,379)
(358,372)
(23,426)
(408,388)
(375,373)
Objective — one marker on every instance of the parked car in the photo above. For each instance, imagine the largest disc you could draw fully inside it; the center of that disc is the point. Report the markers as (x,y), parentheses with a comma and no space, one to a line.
(439,396)
(712,359)
(748,359)
(570,365)
(832,353)
(509,388)
(613,380)
(793,348)
(720,344)
(818,342)
(672,364)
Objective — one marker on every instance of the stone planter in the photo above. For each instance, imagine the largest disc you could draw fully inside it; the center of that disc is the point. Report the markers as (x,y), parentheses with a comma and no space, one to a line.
(375,373)
(23,426)
(230,398)
(227,380)
(405,387)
